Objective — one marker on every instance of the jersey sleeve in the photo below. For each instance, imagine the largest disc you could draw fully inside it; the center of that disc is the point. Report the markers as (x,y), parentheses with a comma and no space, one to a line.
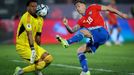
(26,21)
(96,7)
(40,25)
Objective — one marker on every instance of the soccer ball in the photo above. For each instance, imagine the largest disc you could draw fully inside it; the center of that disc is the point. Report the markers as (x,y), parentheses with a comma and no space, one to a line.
(42,10)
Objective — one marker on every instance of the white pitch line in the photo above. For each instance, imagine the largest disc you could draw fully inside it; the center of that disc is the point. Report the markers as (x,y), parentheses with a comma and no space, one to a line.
(19,61)
(74,67)
(131,73)
(69,66)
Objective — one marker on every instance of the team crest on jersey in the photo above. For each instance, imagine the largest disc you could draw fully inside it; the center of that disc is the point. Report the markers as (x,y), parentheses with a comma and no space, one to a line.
(29,26)
(84,21)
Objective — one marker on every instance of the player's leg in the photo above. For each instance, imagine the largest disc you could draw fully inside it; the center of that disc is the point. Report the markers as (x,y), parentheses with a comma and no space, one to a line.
(47,58)
(116,26)
(43,59)
(108,42)
(25,53)
(43,62)
(30,68)
(119,30)
(111,30)
(76,38)
(83,32)
(118,36)
(100,36)
(82,59)
(18,71)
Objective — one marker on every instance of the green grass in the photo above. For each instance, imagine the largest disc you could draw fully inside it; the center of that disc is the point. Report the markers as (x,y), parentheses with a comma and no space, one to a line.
(119,59)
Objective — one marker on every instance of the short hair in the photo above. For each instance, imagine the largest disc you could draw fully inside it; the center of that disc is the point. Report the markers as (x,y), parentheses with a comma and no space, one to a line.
(79,1)
(29,1)
(132,11)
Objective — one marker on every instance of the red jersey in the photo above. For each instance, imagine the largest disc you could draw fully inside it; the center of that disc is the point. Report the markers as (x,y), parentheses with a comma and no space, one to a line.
(92,17)
(112,18)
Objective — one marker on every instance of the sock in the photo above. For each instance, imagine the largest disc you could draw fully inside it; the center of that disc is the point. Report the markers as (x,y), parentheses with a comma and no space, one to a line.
(83,62)
(76,38)
(39,66)
(29,68)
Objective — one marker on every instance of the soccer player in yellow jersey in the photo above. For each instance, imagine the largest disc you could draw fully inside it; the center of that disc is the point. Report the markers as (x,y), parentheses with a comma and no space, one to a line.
(28,42)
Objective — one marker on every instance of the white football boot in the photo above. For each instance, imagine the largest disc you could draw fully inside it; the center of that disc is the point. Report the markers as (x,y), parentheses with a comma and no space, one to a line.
(85,73)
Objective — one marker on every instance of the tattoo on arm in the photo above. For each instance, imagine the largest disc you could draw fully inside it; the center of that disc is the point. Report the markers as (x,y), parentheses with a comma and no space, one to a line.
(76,28)
(70,30)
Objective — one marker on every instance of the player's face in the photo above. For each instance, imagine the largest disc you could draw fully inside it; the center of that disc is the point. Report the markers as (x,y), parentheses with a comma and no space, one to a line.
(32,7)
(113,2)
(80,7)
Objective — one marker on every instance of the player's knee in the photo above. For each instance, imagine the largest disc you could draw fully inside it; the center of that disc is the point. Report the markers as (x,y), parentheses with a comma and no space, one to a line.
(40,65)
(80,33)
(81,49)
(48,59)
(85,33)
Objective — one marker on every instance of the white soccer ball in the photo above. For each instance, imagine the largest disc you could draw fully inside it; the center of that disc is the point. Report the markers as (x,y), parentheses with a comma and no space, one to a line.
(42,10)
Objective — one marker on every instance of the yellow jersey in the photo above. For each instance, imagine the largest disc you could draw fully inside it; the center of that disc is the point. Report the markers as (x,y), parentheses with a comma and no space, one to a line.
(28,23)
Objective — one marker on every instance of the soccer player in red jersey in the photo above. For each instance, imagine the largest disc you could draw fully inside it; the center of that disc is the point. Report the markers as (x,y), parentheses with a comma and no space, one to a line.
(113,23)
(90,25)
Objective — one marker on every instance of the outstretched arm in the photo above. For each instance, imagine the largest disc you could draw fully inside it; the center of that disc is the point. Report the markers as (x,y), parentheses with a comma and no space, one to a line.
(70,30)
(108,8)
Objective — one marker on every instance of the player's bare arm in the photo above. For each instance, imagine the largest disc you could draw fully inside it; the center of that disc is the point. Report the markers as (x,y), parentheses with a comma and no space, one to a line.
(70,30)
(31,43)
(38,38)
(30,39)
(108,8)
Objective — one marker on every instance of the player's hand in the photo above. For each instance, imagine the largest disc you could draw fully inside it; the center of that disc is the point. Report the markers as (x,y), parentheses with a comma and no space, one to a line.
(125,16)
(65,21)
(33,56)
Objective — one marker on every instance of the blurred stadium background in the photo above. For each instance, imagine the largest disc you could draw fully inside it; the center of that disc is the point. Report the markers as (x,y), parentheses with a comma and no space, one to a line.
(114,60)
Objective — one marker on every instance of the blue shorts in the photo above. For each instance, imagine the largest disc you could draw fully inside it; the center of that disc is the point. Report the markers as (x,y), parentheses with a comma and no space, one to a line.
(99,37)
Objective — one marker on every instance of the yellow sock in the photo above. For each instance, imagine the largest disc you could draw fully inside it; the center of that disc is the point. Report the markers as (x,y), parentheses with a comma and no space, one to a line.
(40,65)
(29,68)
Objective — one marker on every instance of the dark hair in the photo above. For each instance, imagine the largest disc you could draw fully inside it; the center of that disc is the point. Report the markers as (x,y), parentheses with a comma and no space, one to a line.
(29,1)
(132,11)
(79,1)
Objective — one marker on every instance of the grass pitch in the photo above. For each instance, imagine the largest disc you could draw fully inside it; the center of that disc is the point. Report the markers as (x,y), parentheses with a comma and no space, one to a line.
(114,60)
